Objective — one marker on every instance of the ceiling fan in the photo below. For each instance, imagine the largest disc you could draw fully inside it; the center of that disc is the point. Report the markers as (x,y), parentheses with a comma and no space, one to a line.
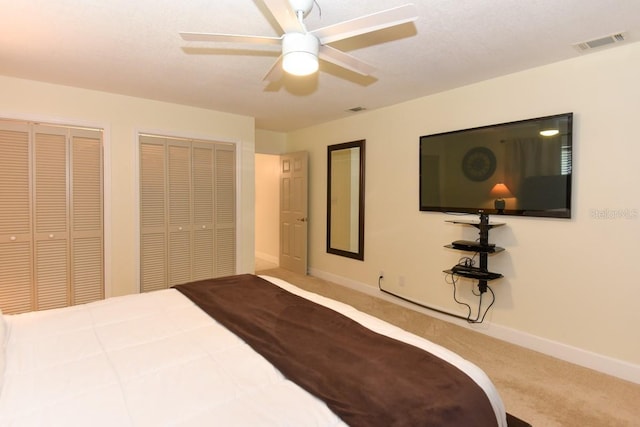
(302,48)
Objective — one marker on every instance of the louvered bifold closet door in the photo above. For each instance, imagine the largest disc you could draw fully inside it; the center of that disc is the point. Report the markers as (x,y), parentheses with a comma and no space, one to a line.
(51,225)
(87,246)
(16,290)
(225,210)
(203,166)
(179,209)
(153,232)
(51,231)
(187,211)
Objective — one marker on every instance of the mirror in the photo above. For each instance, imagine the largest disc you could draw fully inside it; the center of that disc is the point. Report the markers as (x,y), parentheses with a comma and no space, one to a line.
(345,199)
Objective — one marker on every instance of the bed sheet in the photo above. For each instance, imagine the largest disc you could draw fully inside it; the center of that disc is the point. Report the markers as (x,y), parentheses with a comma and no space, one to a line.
(156,359)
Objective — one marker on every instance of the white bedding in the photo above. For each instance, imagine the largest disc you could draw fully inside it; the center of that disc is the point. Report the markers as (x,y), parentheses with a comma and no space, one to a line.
(156,359)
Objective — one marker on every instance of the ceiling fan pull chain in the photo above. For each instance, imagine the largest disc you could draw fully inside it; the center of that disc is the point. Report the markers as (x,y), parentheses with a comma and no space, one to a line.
(319,8)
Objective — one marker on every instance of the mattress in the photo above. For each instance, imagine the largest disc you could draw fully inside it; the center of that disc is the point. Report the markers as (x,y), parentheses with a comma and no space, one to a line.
(156,359)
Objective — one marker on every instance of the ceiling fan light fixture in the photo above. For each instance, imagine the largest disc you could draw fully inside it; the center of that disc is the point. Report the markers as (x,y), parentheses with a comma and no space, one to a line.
(300,54)
(300,63)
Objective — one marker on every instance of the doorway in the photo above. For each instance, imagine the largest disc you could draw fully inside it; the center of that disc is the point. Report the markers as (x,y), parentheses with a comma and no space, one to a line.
(267,196)
(281,211)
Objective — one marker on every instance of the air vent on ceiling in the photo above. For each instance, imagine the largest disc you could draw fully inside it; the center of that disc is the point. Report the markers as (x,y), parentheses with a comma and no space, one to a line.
(600,42)
(356,109)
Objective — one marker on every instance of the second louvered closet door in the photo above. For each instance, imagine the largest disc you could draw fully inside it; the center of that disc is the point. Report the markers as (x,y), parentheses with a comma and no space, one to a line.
(179,242)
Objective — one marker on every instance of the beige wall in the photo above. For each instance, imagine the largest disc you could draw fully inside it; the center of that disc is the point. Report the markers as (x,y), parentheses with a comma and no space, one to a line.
(569,282)
(122,118)
(269,142)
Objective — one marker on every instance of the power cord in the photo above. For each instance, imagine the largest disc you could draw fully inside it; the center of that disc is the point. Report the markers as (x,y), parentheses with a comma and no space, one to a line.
(467,261)
(381,277)
(453,281)
(466,318)
(478,319)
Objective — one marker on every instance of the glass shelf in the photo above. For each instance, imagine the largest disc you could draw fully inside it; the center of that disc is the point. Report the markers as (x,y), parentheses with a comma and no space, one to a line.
(478,274)
(474,223)
(483,249)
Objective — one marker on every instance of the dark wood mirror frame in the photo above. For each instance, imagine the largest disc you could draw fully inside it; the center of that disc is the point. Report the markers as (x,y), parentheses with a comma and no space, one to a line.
(340,189)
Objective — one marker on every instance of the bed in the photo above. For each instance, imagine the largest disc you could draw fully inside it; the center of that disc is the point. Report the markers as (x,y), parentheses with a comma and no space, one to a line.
(161,359)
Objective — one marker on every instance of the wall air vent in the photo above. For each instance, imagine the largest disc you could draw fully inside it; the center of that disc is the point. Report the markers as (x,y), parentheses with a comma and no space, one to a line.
(600,42)
(356,109)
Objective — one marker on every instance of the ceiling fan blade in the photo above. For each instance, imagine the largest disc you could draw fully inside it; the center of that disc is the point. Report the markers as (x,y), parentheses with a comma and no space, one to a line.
(275,72)
(345,60)
(284,15)
(366,24)
(229,38)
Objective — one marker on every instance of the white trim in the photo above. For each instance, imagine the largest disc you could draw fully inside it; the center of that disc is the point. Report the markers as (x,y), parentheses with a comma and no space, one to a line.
(239,210)
(136,205)
(106,209)
(588,359)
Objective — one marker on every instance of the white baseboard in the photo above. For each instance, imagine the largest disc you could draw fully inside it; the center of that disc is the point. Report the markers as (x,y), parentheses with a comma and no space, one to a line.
(598,362)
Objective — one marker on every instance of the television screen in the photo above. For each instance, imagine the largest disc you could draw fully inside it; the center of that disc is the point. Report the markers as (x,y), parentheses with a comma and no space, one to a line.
(516,168)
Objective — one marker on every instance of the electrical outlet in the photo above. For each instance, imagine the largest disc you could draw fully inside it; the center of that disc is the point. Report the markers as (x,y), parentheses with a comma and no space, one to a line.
(401,281)
(381,274)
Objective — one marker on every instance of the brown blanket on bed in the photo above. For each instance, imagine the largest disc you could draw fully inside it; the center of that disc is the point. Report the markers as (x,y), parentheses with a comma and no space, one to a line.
(367,379)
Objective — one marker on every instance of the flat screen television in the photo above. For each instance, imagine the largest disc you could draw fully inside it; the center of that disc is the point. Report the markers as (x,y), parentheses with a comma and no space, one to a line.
(515,168)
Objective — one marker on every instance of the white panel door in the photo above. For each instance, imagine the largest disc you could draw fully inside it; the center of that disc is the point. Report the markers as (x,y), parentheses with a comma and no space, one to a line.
(293,211)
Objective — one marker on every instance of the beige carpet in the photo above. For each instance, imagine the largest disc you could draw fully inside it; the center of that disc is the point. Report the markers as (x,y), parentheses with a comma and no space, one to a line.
(539,389)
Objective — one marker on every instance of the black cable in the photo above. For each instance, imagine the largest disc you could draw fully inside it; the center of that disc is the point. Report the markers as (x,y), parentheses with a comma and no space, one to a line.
(417,303)
(473,258)
(473,291)
(455,298)
(467,261)
(493,299)
(478,312)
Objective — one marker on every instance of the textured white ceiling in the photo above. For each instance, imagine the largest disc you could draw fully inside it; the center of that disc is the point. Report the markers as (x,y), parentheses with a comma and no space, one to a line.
(133,48)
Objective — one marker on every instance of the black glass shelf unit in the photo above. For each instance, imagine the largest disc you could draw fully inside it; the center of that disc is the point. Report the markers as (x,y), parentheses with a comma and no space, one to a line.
(482,247)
